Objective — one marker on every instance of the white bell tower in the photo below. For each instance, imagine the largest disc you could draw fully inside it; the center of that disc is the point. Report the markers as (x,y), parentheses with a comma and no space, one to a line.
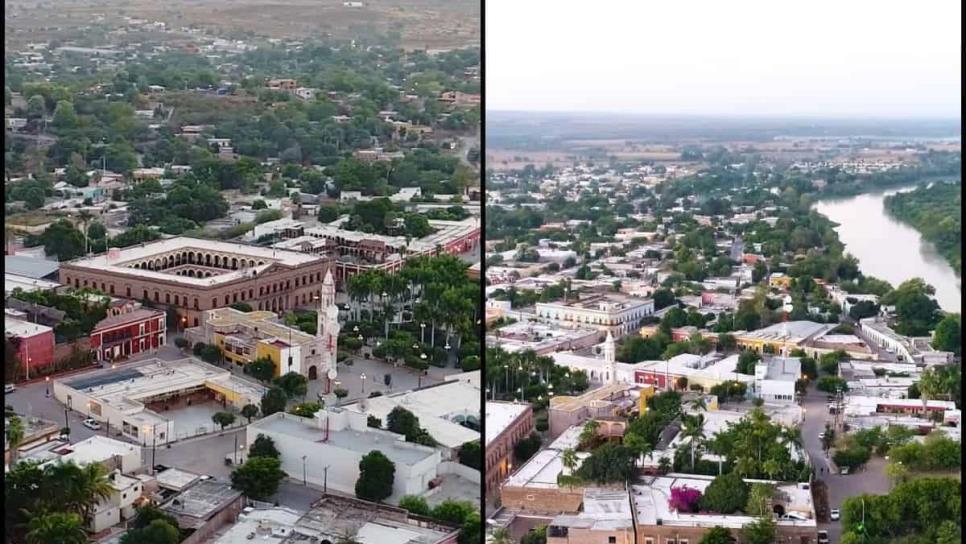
(610,360)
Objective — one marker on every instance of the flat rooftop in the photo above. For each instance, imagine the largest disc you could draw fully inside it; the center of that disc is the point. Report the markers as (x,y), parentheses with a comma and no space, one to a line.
(273,523)
(786,369)
(606,393)
(23,329)
(500,415)
(440,408)
(332,518)
(602,302)
(392,445)
(201,500)
(603,510)
(126,388)
(541,470)
(789,331)
(120,265)
(650,497)
(15,281)
(223,319)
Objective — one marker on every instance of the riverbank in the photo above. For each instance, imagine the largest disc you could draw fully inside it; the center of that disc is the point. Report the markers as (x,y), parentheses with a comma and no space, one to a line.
(887,248)
(935,210)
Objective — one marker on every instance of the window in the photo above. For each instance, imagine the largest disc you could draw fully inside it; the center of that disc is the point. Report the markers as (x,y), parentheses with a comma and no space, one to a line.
(612,540)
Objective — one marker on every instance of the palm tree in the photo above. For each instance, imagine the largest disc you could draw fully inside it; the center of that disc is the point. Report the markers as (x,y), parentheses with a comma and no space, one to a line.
(569,459)
(85,218)
(15,434)
(699,404)
(501,536)
(693,429)
(589,432)
(772,468)
(61,527)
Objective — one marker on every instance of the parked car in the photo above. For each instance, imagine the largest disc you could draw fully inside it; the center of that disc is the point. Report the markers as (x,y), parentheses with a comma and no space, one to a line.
(844,470)
(92,424)
(9,388)
(834,514)
(823,537)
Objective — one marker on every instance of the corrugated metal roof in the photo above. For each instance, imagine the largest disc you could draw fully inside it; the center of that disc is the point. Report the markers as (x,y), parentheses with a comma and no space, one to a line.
(30,267)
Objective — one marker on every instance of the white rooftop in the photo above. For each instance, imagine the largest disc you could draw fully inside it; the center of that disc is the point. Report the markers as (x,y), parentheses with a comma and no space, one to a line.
(97,449)
(439,408)
(651,494)
(277,522)
(23,329)
(178,244)
(499,416)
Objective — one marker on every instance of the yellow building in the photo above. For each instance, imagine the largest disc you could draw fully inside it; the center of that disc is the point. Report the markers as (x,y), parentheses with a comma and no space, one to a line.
(244,337)
(779,280)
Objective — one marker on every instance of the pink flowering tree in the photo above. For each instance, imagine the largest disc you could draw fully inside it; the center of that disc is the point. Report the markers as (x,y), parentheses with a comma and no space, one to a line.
(684,499)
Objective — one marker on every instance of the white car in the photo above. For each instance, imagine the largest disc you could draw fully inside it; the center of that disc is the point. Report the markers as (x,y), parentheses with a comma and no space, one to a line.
(823,537)
(92,424)
(9,388)
(834,514)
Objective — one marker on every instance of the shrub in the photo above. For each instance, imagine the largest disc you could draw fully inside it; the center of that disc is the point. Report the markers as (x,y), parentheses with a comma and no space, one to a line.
(726,494)
(181,342)
(684,499)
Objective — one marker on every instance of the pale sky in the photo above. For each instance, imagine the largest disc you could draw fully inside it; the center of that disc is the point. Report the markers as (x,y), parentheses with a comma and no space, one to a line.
(865,58)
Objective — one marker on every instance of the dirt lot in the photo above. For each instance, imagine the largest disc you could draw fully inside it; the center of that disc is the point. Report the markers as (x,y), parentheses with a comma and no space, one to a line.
(430,24)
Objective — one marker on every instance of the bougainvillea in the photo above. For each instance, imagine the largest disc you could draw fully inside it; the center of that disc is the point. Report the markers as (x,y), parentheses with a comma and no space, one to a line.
(684,499)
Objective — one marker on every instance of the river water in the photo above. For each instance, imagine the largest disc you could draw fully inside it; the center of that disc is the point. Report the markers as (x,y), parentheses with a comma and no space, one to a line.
(889,249)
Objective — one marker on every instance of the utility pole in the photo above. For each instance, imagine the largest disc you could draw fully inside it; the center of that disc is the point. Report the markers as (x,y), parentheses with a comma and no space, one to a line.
(154,446)
(325,480)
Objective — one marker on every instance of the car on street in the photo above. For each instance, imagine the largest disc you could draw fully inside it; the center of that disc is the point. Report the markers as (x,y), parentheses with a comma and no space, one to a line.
(843,471)
(821,435)
(9,388)
(823,537)
(834,514)
(92,424)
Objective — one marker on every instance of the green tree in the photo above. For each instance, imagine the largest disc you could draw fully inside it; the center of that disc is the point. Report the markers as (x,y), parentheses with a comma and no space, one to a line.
(726,494)
(60,527)
(376,475)
(258,478)
(947,336)
(62,240)
(471,454)
(717,535)
(14,431)
(414,504)
(264,446)
(759,499)
(158,531)
(262,369)
(453,511)
(761,531)
(608,464)
(293,383)
(223,419)
(274,400)
(249,411)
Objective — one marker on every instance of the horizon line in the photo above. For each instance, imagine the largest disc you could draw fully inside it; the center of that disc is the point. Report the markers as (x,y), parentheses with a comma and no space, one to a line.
(868,117)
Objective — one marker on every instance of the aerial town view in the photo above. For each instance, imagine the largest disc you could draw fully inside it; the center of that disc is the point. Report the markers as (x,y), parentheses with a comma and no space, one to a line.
(722,297)
(242,261)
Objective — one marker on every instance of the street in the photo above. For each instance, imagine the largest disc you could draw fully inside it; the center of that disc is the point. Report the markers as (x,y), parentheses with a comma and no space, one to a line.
(870,479)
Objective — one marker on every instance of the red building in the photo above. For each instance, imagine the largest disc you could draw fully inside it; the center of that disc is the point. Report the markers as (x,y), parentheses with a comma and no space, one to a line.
(34,342)
(128,334)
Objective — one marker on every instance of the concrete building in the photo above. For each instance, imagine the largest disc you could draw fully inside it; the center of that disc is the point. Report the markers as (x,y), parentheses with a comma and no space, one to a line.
(192,275)
(657,523)
(204,507)
(906,349)
(533,487)
(356,251)
(703,370)
(129,333)
(783,337)
(326,450)
(448,411)
(775,379)
(506,424)
(334,518)
(605,517)
(34,344)
(605,404)
(540,338)
(616,314)
(244,337)
(133,397)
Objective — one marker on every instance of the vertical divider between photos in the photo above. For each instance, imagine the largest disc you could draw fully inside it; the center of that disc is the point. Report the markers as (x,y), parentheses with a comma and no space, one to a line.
(482,320)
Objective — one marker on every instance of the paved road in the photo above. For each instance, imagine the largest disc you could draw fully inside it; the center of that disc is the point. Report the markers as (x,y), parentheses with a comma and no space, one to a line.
(871,479)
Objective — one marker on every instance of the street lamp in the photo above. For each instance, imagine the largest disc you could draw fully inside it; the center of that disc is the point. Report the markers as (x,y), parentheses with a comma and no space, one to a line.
(303,471)
(363,378)
(47,380)
(422,333)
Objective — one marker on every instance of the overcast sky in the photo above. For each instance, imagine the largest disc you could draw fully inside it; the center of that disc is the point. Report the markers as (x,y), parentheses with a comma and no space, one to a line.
(716,57)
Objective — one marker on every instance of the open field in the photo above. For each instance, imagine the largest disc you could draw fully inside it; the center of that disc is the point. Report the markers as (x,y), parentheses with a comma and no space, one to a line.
(421,24)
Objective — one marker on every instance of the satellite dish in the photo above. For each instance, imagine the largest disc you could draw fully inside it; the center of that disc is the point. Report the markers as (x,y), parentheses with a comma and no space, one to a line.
(332,374)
